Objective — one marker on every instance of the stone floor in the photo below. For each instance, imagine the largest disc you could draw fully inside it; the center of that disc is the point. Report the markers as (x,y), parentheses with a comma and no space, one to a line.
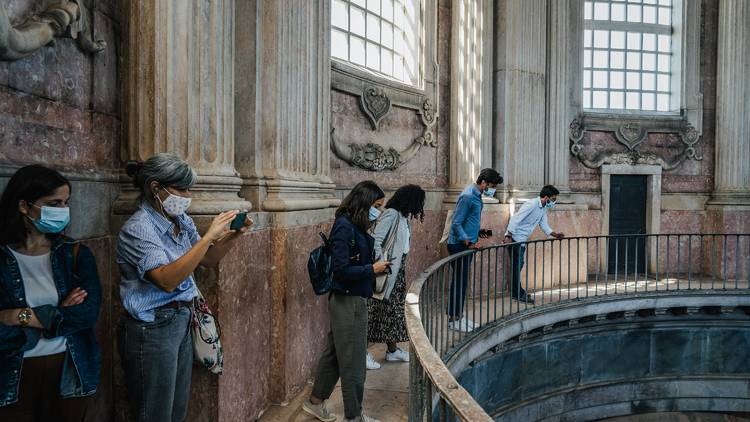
(386,395)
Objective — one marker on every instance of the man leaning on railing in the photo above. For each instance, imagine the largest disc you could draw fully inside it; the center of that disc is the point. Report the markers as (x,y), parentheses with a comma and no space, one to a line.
(520,227)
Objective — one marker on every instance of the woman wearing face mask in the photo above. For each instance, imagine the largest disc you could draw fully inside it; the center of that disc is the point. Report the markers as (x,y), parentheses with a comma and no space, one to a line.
(49,303)
(354,273)
(157,250)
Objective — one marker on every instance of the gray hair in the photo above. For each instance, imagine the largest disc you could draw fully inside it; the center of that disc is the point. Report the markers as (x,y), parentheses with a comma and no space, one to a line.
(166,169)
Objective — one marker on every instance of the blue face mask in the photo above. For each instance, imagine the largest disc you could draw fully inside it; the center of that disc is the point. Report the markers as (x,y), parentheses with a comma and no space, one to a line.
(489,192)
(374,213)
(550,204)
(52,220)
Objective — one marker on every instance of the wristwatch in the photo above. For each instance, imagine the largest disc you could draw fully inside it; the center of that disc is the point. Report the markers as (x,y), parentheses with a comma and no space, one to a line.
(24,317)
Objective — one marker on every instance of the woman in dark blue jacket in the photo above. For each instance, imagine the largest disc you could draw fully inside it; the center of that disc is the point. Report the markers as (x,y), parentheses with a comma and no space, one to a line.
(49,303)
(353,275)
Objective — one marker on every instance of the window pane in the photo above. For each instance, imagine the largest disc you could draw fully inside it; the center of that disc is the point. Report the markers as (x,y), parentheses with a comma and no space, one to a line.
(617,80)
(600,99)
(373,28)
(600,59)
(398,68)
(373,56)
(617,60)
(649,1)
(587,8)
(634,61)
(587,58)
(664,63)
(634,41)
(387,10)
(587,79)
(386,63)
(665,16)
(618,12)
(631,100)
(616,100)
(649,61)
(665,2)
(617,39)
(387,35)
(339,45)
(634,13)
(662,83)
(664,43)
(633,80)
(360,3)
(587,35)
(649,82)
(649,14)
(586,98)
(373,6)
(357,50)
(601,11)
(600,79)
(357,18)
(662,102)
(649,42)
(648,102)
(601,39)
(339,15)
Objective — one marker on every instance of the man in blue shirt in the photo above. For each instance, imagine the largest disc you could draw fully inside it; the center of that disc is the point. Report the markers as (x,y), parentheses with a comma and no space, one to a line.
(519,229)
(464,235)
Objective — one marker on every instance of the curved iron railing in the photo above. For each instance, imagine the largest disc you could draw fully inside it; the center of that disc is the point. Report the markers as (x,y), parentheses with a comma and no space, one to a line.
(555,271)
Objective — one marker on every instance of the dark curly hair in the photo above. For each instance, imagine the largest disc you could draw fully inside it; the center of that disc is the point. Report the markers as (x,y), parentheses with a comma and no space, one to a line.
(357,204)
(409,201)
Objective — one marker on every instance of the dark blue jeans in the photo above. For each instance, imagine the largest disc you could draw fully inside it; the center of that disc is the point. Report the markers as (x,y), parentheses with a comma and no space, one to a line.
(460,279)
(158,361)
(517,254)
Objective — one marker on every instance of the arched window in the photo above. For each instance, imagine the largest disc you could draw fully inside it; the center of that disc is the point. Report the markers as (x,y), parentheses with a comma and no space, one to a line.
(383,37)
(632,54)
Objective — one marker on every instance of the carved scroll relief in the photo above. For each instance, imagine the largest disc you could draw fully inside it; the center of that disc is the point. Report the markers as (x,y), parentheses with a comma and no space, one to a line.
(632,134)
(376,104)
(64,18)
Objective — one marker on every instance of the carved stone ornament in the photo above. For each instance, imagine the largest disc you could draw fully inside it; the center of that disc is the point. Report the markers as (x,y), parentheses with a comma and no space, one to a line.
(631,134)
(375,104)
(63,18)
(374,157)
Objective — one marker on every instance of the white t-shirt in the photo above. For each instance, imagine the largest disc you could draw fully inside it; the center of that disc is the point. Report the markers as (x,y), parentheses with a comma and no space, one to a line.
(40,289)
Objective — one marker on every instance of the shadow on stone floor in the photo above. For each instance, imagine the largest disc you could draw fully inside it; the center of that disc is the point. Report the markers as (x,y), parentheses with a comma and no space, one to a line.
(386,395)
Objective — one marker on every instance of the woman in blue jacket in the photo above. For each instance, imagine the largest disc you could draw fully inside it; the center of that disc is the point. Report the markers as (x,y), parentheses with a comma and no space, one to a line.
(49,303)
(354,273)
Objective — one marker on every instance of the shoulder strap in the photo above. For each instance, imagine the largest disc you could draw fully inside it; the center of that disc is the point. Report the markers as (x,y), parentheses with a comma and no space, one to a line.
(76,249)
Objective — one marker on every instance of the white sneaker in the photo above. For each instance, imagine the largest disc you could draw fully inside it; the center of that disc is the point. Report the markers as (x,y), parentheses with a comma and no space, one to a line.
(318,411)
(463,325)
(397,356)
(362,418)
(371,364)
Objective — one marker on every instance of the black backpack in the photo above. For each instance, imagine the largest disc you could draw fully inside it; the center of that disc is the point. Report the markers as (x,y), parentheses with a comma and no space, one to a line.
(320,267)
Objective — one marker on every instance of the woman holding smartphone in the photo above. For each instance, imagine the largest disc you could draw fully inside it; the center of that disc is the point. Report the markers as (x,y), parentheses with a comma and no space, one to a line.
(354,273)
(49,304)
(157,251)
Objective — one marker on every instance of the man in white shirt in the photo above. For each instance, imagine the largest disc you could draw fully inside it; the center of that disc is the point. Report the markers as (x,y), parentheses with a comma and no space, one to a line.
(519,229)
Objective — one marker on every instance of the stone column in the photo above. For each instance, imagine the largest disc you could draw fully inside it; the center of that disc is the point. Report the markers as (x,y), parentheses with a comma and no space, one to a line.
(732,168)
(565,17)
(471,91)
(283,104)
(520,70)
(179,95)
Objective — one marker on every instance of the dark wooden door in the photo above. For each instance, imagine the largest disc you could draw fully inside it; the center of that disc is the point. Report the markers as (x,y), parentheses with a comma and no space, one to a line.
(627,216)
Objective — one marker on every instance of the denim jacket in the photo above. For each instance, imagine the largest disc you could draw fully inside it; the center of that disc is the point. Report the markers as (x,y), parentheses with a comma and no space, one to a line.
(353,254)
(80,375)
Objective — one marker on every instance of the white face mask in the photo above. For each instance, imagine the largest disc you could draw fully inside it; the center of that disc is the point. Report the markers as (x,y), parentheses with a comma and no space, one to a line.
(175,205)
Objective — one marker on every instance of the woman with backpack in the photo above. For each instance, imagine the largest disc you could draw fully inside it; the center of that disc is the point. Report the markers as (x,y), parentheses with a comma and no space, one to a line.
(49,304)
(387,323)
(354,270)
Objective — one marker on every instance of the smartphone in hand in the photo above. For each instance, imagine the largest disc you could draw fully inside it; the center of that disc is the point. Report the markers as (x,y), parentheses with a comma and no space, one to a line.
(239,221)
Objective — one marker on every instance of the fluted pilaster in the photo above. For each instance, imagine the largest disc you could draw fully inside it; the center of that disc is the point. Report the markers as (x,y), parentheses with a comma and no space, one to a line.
(284,104)
(520,70)
(471,91)
(732,169)
(179,94)
(565,17)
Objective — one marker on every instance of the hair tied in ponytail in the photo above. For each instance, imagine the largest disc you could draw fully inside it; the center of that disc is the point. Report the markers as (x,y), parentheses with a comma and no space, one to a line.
(132,168)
